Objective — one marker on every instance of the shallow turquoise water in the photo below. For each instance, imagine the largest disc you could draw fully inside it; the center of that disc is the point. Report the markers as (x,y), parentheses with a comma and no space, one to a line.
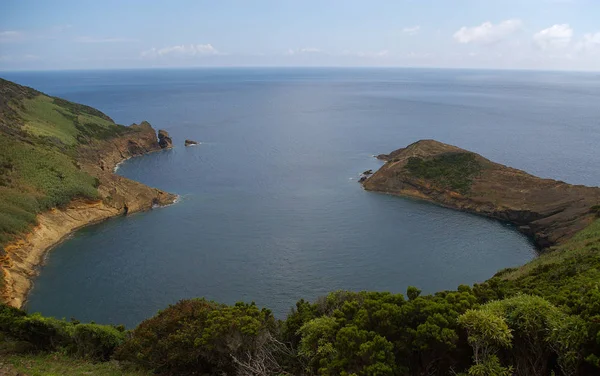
(270,208)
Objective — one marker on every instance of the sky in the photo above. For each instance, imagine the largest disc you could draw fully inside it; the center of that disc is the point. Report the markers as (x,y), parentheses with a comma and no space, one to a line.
(485,34)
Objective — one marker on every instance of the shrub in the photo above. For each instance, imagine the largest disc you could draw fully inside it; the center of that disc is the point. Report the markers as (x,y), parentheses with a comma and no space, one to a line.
(450,171)
(202,337)
(44,333)
(92,341)
(95,341)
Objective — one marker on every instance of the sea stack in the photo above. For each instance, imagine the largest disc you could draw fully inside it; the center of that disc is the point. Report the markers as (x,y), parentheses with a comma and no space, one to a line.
(190,142)
(164,140)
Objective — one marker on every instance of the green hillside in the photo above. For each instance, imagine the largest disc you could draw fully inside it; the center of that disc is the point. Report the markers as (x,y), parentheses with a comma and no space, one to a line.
(38,159)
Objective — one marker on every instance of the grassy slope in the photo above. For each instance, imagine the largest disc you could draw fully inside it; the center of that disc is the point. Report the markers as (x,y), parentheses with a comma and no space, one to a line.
(38,168)
(59,364)
(453,171)
(567,276)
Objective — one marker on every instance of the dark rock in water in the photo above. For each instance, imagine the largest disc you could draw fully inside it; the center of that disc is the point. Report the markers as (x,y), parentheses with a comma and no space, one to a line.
(365,175)
(190,142)
(164,140)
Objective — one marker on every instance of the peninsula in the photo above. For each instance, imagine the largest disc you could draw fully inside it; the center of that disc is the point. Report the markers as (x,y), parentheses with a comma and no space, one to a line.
(549,211)
(56,176)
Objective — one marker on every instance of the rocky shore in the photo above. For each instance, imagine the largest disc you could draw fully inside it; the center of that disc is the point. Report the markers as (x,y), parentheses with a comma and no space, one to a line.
(118,196)
(548,211)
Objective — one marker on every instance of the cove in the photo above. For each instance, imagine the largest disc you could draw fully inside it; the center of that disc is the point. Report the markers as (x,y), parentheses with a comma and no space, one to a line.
(270,207)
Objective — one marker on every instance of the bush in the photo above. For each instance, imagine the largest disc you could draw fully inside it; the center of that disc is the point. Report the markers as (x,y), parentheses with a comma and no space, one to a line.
(92,341)
(203,337)
(96,342)
(44,333)
(8,315)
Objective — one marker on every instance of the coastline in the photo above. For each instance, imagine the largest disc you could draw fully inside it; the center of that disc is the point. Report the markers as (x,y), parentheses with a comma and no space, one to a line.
(549,212)
(118,196)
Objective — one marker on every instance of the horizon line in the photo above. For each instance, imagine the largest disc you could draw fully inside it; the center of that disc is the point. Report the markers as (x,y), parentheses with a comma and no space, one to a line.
(297,67)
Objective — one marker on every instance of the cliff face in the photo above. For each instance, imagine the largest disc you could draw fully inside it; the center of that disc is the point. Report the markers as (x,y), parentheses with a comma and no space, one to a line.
(56,175)
(549,211)
(118,196)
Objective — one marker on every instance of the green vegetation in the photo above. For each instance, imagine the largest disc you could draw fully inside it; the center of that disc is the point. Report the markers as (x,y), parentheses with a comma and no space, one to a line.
(58,364)
(540,319)
(201,335)
(90,341)
(454,171)
(38,168)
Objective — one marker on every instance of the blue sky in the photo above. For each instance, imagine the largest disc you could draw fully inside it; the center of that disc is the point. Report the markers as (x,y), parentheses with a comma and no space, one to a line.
(506,34)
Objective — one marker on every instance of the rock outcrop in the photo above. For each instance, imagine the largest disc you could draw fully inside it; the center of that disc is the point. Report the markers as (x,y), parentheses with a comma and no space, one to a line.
(549,211)
(365,175)
(190,142)
(164,140)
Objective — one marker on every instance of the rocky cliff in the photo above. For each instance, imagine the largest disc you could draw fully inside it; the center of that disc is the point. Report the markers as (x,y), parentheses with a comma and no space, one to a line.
(118,196)
(164,140)
(549,211)
(56,175)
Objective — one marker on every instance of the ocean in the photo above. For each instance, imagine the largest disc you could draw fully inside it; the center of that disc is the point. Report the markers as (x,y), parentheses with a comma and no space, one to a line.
(270,208)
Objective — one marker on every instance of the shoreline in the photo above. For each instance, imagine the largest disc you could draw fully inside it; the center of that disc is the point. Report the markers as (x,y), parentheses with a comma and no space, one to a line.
(43,254)
(118,196)
(548,212)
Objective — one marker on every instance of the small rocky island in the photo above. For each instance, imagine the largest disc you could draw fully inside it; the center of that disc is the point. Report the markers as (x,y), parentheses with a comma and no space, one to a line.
(190,142)
(164,140)
(549,211)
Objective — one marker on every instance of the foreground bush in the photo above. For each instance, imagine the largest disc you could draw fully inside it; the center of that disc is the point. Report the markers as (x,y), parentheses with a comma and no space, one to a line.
(91,341)
(531,335)
(94,341)
(200,337)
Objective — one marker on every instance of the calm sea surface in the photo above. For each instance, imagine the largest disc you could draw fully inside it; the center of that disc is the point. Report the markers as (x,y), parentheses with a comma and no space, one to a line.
(270,207)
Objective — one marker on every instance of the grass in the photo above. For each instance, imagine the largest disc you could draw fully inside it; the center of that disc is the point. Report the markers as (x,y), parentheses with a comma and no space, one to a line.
(584,244)
(70,123)
(568,276)
(454,171)
(59,364)
(38,169)
(42,117)
(37,178)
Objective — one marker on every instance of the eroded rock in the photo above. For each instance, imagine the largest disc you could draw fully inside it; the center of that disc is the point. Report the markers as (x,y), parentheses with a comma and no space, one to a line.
(164,140)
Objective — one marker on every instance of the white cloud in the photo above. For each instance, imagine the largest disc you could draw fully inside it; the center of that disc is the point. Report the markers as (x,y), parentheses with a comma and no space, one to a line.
(182,50)
(411,30)
(590,43)
(556,36)
(11,36)
(104,40)
(305,50)
(487,32)
(18,58)
(368,54)
(418,55)
(375,55)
